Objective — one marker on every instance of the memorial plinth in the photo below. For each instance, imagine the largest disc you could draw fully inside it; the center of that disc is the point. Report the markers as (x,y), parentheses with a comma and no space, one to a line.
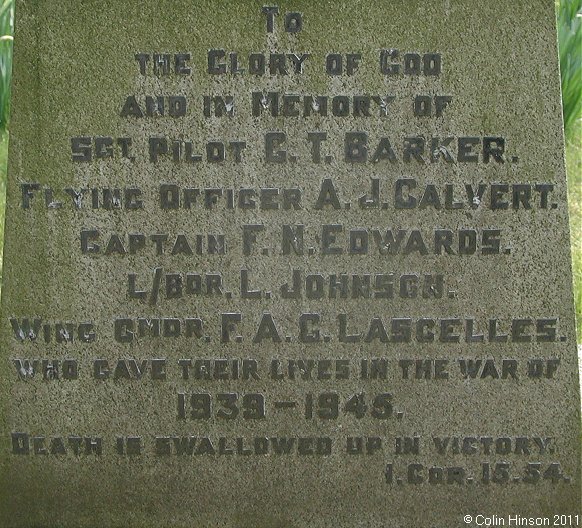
(296,265)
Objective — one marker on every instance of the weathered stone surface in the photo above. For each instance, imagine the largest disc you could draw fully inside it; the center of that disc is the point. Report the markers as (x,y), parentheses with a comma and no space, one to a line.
(375,278)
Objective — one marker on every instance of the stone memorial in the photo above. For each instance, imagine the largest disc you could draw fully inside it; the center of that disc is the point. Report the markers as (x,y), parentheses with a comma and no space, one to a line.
(287,265)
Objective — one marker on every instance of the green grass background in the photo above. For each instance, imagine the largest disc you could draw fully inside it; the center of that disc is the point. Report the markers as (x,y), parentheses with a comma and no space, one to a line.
(569,13)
